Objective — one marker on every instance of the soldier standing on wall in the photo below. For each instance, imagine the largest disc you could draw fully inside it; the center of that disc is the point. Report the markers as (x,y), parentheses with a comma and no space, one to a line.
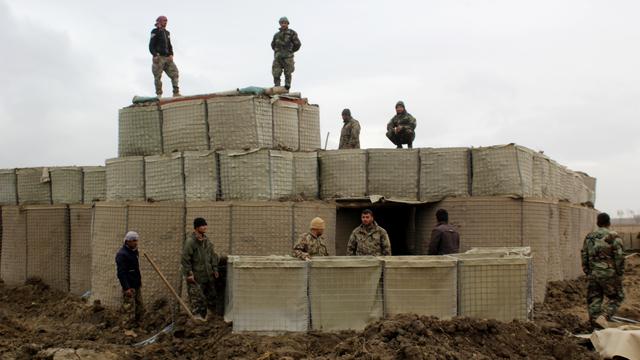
(311,243)
(350,134)
(162,52)
(368,238)
(401,128)
(128,270)
(200,269)
(285,42)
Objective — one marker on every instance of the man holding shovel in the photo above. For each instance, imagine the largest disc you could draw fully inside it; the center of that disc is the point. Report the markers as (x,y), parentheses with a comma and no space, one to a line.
(200,269)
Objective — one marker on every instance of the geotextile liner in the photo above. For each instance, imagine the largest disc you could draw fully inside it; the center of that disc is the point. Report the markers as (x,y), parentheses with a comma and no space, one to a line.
(80,249)
(305,174)
(305,211)
(164,177)
(535,226)
(8,189)
(200,175)
(393,173)
(184,126)
(444,173)
(285,125)
(48,244)
(125,178)
(66,185)
(261,228)
(343,173)
(256,174)
(95,184)
(13,261)
(422,285)
(502,170)
(240,122)
(542,187)
(34,186)
(309,127)
(218,217)
(139,131)
(344,292)
(267,294)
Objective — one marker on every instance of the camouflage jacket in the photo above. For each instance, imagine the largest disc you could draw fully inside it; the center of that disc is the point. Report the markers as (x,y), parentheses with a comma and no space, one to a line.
(405,120)
(350,135)
(310,245)
(285,43)
(372,241)
(602,254)
(199,259)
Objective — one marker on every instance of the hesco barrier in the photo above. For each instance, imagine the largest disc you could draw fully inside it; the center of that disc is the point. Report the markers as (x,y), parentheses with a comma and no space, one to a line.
(343,173)
(304,212)
(422,285)
(256,174)
(80,249)
(536,218)
(8,189)
(351,302)
(95,184)
(393,173)
(240,122)
(261,228)
(285,125)
(139,130)
(541,186)
(502,170)
(305,174)
(34,186)
(184,126)
(200,175)
(218,216)
(164,177)
(309,128)
(444,172)
(48,244)
(125,178)
(66,185)
(13,261)
(267,294)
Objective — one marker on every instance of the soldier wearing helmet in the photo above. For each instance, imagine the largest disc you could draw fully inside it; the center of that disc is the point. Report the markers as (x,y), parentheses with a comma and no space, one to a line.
(284,44)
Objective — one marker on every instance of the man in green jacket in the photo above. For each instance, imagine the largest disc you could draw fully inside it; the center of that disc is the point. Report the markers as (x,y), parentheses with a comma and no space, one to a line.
(401,129)
(200,269)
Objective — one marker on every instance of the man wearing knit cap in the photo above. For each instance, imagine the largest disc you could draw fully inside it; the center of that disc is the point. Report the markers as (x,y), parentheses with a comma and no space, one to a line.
(200,269)
(350,134)
(311,243)
(285,42)
(401,128)
(162,51)
(128,269)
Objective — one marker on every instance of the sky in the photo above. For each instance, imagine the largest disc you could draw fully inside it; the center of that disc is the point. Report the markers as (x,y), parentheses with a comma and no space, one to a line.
(557,76)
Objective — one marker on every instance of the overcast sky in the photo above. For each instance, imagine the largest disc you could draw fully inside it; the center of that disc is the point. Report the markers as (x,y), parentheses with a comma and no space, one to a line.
(558,76)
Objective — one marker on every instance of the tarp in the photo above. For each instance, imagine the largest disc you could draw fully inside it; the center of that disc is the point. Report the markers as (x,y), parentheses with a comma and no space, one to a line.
(140,130)
(240,122)
(125,178)
(184,126)
(66,185)
(343,173)
(393,173)
(617,342)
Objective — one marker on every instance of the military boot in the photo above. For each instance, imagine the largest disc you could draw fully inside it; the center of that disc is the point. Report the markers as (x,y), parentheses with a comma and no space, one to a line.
(276,81)
(287,82)
(176,92)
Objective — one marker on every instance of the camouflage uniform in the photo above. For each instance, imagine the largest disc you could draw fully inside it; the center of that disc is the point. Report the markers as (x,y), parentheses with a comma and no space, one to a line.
(310,245)
(369,240)
(200,260)
(284,44)
(407,124)
(132,308)
(350,135)
(603,263)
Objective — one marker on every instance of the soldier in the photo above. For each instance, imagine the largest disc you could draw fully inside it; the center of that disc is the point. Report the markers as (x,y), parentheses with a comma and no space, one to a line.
(285,42)
(401,128)
(603,263)
(200,269)
(368,238)
(128,269)
(311,243)
(350,135)
(444,237)
(162,52)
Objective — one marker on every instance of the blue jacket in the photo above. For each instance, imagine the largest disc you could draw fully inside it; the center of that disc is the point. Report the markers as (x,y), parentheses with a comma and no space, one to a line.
(128,268)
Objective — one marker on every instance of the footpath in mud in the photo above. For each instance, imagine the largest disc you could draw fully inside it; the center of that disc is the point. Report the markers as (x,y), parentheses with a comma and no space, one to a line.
(39,323)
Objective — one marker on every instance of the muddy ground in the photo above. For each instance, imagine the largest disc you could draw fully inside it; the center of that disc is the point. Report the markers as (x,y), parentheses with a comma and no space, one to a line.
(38,323)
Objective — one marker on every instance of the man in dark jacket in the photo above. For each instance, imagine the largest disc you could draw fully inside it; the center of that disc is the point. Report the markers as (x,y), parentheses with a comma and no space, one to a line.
(444,237)
(200,269)
(162,51)
(128,268)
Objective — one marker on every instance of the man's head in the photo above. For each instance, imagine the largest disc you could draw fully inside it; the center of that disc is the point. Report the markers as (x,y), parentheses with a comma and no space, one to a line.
(400,107)
(284,22)
(317,226)
(131,240)
(161,21)
(442,216)
(604,220)
(200,225)
(366,217)
(346,114)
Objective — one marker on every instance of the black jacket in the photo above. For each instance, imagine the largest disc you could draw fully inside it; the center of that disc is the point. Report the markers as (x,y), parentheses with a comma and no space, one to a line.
(160,43)
(444,240)
(128,268)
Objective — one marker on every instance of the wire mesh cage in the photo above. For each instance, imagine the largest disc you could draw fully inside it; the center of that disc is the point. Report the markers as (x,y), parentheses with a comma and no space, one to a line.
(95,184)
(343,173)
(240,122)
(34,186)
(13,257)
(285,125)
(502,170)
(256,174)
(200,175)
(125,178)
(8,189)
(164,177)
(383,169)
(139,130)
(261,228)
(80,248)
(444,172)
(184,126)
(309,127)
(305,174)
(66,185)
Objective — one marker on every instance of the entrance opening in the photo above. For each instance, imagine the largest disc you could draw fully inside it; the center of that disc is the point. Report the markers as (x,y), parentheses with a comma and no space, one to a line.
(398,219)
